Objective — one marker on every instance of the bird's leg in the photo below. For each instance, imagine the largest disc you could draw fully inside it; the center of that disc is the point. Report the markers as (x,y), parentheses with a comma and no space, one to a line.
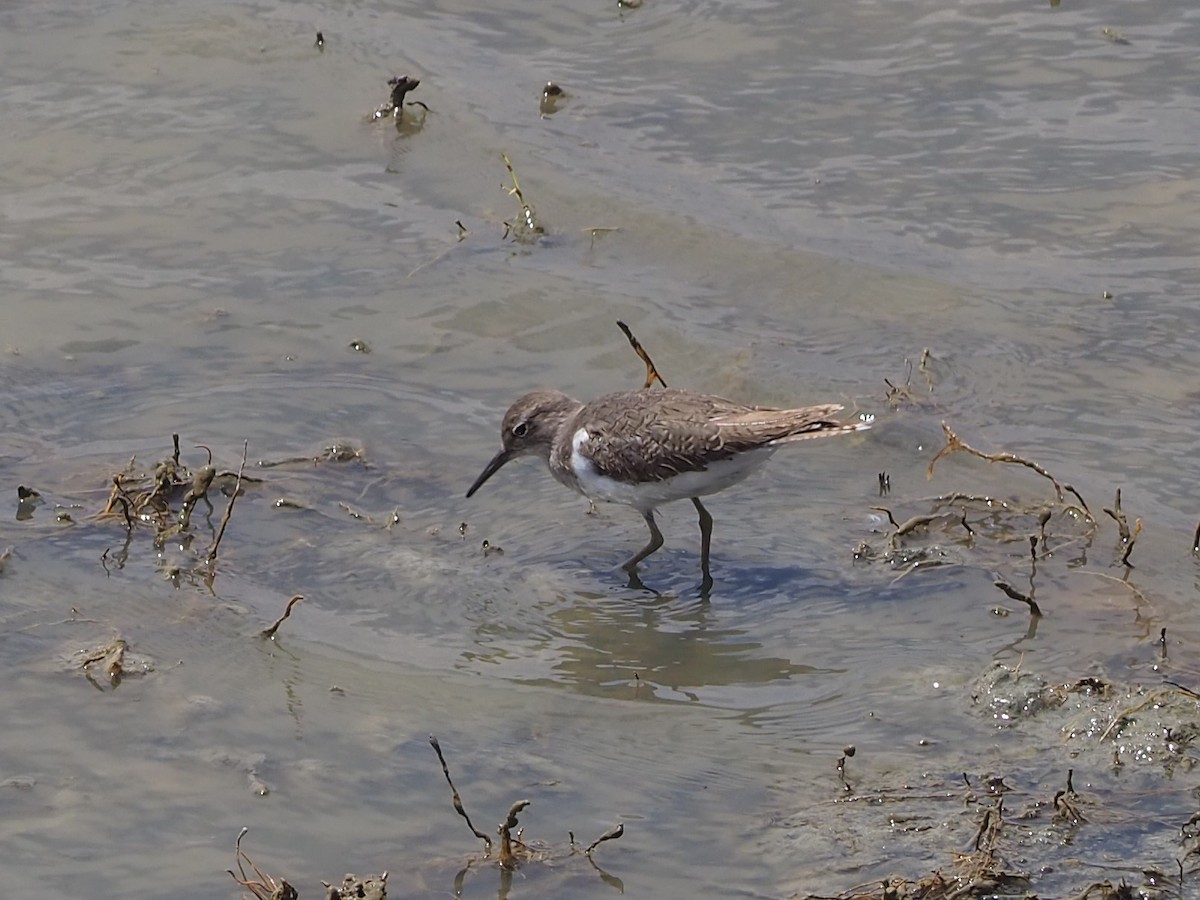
(706,523)
(656,541)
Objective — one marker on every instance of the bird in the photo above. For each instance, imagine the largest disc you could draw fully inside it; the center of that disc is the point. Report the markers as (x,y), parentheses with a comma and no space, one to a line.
(647,447)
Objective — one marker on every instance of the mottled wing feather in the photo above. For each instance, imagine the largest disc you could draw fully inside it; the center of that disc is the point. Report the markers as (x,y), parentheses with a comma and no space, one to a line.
(756,427)
(680,431)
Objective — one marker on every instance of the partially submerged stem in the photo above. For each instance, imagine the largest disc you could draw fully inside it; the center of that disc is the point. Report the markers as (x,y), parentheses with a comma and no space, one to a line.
(528,230)
(955,444)
(507,858)
(269,633)
(237,487)
(458,804)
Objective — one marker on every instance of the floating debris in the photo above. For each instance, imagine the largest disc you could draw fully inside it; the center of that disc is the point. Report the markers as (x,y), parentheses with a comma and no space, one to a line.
(338,451)
(373,887)
(552,95)
(269,633)
(394,108)
(106,665)
(527,229)
(27,501)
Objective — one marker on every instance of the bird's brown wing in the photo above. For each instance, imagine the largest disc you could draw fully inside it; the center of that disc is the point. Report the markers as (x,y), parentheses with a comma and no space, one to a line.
(645,436)
(757,427)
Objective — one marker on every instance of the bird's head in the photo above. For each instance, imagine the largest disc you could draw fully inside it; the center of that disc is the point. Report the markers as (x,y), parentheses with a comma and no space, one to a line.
(529,429)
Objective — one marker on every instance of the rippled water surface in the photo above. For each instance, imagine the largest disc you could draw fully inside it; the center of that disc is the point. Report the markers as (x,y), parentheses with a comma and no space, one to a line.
(204,231)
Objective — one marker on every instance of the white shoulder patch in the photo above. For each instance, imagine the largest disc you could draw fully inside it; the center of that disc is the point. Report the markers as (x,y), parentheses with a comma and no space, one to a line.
(579,461)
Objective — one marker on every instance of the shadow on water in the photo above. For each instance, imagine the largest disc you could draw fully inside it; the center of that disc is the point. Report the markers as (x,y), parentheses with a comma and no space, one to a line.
(660,647)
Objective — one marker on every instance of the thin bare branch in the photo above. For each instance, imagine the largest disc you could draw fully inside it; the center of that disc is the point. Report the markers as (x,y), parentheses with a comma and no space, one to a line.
(651,372)
(237,487)
(458,804)
(270,632)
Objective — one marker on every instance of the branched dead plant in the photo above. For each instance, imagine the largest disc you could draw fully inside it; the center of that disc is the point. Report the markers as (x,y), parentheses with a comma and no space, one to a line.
(955,444)
(262,886)
(165,499)
(514,851)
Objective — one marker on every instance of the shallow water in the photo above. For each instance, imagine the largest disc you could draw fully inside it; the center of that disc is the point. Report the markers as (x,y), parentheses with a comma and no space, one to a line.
(200,218)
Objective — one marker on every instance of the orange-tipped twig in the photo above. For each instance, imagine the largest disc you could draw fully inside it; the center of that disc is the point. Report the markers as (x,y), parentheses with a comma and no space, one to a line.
(651,372)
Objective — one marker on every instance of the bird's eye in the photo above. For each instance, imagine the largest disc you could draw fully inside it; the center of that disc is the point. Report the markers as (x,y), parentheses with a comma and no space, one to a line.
(521,429)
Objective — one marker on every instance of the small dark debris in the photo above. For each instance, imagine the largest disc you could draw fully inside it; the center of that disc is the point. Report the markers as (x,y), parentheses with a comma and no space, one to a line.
(552,95)
(27,501)
(372,887)
(400,85)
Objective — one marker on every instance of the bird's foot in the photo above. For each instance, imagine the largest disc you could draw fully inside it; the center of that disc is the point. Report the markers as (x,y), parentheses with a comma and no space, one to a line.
(635,580)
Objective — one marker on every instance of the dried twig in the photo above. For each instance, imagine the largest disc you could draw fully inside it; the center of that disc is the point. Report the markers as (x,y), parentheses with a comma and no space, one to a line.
(201,482)
(1014,594)
(1118,516)
(112,660)
(847,752)
(900,394)
(458,804)
(1137,529)
(954,444)
(925,368)
(970,531)
(270,632)
(237,486)
(611,835)
(888,513)
(912,523)
(983,827)
(529,229)
(507,858)
(651,372)
(265,887)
